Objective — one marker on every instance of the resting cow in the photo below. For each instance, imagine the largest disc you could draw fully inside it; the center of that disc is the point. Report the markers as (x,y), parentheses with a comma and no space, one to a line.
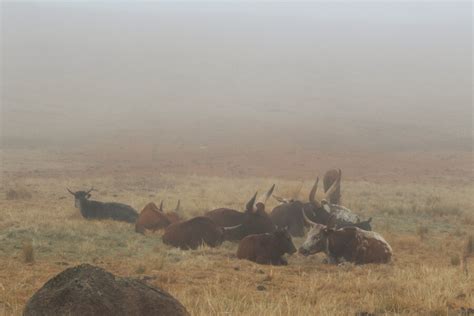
(254,220)
(267,248)
(351,244)
(288,213)
(194,232)
(100,210)
(153,218)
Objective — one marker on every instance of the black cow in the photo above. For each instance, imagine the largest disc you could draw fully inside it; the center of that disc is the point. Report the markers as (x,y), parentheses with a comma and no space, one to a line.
(100,210)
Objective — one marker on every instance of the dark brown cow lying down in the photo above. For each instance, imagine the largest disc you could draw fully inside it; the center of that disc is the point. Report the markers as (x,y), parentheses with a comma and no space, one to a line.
(153,218)
(351,244)
(193,233)
(266,248)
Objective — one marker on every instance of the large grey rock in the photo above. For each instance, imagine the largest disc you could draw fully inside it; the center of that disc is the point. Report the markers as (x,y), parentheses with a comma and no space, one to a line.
(89,290)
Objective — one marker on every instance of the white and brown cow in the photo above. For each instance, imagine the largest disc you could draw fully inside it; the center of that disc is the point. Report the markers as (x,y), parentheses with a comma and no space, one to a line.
(350,244)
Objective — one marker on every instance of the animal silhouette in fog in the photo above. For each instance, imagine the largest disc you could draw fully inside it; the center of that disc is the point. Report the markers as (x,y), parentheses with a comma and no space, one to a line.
(102,210)
(267,248)
(254,220)
(350,244)
(194,232)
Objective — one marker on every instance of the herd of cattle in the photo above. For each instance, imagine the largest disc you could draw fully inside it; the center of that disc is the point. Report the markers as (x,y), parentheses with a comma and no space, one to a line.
(263,238)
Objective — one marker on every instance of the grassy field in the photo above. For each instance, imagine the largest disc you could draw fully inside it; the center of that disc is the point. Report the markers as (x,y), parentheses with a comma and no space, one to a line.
(426,224)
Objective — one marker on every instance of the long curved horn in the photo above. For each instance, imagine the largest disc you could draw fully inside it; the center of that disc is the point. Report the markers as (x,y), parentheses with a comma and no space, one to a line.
(334,186)
(92,189)
(307,220)
(263,199)
(250,206)
(312,194)
(177,206)
(70,191)
(229,228)
(161,205)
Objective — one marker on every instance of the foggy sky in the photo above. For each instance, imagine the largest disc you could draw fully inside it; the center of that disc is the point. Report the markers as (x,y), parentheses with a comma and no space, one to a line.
(398,73)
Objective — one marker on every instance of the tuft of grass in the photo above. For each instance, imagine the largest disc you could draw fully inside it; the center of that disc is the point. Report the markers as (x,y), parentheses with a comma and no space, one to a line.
(28,252)
(140,269)
(18,194)
(422,231)
(455,260)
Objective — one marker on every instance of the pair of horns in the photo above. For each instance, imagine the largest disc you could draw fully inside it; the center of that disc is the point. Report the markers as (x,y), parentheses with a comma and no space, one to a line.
(87,192)
(262,199)
(328,193)
(177,206)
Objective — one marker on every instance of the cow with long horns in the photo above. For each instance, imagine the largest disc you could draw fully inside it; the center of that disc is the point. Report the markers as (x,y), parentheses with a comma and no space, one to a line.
(100,210)
(349,244)
(154,218)
(288,213)
(254,220)
(195,232)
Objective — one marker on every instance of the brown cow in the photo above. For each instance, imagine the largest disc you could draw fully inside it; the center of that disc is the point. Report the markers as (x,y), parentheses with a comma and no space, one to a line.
(194,232)
(254,220)
(351,244)
(153,218)
(330,177)
(267,248)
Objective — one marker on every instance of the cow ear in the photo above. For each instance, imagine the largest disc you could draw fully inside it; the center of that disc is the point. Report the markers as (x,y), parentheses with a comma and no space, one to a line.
(88,196)
(369,220)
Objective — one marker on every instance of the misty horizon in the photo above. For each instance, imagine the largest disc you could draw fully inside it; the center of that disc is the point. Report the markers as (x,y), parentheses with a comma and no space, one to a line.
(369,75)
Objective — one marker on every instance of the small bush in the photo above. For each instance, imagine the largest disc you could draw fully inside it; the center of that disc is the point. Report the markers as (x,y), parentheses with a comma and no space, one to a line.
(469,247)
(28,252)
(455,260)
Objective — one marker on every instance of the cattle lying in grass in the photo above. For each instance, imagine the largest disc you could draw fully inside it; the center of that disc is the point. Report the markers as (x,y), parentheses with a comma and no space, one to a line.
(288,214)
(153,218)
(100,210)
(254,220)
(194,232)
(350,244)
(267,248)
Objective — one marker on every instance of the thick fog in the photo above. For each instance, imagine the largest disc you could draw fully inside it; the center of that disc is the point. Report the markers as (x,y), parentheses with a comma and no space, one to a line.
(361,74)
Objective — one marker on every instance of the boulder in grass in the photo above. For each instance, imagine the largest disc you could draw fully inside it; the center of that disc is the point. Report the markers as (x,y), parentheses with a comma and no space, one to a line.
(89,290)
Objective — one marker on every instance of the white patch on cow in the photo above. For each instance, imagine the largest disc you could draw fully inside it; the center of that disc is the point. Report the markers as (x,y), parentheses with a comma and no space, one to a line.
(376,236)
(343,213)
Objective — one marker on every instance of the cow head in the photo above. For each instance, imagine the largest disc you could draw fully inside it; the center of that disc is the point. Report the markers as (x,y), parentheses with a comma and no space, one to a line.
(80,196)
(317,238)
(285,243)
(256,220)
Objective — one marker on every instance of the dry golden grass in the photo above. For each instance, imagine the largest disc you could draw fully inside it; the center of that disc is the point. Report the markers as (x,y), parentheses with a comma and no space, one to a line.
(421,280)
